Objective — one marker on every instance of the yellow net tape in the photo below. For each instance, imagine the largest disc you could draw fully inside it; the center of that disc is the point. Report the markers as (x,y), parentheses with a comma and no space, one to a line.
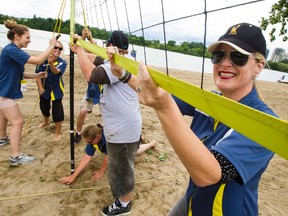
(267,130)
(58,31)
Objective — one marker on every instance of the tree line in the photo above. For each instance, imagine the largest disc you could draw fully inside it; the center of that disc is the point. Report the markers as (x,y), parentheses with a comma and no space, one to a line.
(47,24)
(186,47)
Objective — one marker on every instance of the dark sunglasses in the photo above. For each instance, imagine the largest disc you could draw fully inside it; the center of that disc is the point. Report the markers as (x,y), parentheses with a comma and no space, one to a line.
(236,57)
(59,48)
(91,141)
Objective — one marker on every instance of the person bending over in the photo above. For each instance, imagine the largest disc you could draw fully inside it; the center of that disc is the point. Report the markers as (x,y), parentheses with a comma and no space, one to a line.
(94,136)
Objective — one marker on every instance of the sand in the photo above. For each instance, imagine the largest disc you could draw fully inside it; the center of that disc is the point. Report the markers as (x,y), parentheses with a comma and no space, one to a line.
(33,189)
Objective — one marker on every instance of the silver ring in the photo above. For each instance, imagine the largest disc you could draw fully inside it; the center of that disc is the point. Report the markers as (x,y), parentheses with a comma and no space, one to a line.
(138,89)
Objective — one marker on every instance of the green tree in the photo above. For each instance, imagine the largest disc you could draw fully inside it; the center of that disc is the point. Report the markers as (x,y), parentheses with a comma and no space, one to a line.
(48,24)
(278,15)
(171,43)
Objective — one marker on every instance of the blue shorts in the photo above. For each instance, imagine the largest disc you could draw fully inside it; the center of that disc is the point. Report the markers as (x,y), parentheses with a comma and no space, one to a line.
(121,157)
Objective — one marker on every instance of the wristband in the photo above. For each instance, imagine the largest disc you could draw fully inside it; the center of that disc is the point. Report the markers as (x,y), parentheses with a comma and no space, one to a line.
(127,78)
(122,76)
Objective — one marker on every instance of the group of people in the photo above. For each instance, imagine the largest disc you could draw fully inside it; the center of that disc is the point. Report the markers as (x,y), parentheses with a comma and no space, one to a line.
(225,166)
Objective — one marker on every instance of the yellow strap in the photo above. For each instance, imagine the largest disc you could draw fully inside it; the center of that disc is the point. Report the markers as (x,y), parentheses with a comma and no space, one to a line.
(267,130)
(59,19)
(62,9)
(29,119)
(84,17)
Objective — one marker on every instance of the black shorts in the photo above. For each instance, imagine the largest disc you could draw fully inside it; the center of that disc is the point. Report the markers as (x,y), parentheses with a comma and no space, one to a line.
(57,109)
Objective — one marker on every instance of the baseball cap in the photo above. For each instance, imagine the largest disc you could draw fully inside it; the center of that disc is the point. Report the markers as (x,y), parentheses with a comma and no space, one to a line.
(244,37)
(119,39)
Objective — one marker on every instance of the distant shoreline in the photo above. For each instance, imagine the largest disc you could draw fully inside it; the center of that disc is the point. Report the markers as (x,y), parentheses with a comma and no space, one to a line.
(265,75)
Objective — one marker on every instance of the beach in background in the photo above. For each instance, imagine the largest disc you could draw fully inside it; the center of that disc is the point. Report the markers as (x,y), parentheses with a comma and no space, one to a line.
(161,178)
(152,57)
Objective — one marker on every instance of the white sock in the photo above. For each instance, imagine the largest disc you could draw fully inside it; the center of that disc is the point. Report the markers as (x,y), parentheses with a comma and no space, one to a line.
(124,204)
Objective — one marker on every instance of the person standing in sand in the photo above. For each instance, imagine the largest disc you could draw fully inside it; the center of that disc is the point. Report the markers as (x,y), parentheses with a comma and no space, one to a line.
(225,167)
(121,117)
(51,89)
(12,61)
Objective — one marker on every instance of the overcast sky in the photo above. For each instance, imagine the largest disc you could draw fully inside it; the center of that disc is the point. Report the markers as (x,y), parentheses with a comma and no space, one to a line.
(190,29)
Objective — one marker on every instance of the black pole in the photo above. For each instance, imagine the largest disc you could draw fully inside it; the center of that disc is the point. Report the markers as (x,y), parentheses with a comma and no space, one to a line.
(72,112)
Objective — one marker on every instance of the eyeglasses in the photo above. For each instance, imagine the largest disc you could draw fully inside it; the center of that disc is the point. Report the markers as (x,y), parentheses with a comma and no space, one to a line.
(236,57)
(90,142)
(59,48)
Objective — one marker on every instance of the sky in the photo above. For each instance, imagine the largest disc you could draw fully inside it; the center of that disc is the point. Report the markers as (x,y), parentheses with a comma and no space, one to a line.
(190,29)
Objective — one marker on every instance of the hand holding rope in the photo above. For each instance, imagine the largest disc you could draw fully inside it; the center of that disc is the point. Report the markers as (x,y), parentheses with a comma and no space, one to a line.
(116,70)
(149,93)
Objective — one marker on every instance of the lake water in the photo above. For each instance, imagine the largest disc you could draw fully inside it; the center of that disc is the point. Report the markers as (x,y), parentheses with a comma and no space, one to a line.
(154,57)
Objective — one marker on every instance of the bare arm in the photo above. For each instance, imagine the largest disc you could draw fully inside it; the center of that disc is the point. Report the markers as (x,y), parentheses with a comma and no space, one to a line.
(89,36)
(40,86)
(119,71)
(91,56)
(53,69)
(33,75)
(83,163)
(98,174)
(84,59)
(202,166)
(44,55)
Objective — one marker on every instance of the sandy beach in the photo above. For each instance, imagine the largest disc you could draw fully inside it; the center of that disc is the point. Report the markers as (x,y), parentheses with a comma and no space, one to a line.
(161,178)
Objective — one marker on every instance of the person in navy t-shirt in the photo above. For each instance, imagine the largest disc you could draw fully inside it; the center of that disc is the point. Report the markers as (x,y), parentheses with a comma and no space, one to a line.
(225,166)
(51,89)
(95,139)
(12,61)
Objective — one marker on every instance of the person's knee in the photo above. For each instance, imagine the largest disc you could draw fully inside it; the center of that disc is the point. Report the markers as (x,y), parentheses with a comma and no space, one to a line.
(17,122)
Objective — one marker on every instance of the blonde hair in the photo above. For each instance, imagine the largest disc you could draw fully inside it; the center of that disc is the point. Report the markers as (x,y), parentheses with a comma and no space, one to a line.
(60,43)
(61,46)
(259,57)
(91,131)
(15,28)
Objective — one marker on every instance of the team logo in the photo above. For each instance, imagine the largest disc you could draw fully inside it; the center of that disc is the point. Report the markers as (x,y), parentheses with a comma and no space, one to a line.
(234,30)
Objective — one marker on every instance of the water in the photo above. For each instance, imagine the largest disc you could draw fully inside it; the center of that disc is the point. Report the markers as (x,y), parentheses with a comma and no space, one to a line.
(154,57)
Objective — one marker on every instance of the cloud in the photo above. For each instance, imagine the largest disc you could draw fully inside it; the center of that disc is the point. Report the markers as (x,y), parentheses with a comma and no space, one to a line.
(189,29)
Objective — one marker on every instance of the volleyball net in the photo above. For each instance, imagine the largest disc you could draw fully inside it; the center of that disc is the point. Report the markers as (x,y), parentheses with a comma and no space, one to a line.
(137,19)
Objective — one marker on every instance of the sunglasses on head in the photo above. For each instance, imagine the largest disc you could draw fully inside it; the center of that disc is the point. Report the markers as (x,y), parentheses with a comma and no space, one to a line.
(59,48)
(237,58)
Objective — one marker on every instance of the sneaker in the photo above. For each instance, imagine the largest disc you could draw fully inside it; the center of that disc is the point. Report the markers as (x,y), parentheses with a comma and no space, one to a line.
(78,138)
(21,159)
(116,209)
(4,141)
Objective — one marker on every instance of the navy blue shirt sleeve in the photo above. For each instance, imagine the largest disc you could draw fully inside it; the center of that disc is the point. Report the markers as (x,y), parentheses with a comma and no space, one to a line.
(185,108)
